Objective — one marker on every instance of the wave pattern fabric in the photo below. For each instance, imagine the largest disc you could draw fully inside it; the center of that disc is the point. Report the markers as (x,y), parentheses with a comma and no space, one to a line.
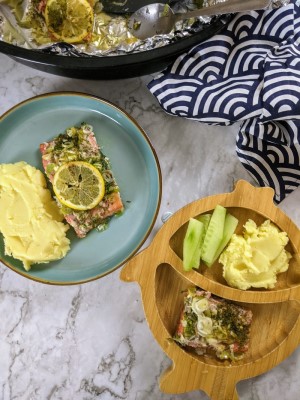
(249,73)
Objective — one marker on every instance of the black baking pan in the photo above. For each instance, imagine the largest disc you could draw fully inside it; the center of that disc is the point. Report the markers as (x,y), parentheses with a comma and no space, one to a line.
(125,6)
(112,67)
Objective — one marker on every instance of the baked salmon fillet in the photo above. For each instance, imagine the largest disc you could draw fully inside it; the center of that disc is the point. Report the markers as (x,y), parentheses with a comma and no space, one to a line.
(213,326)
(80,144)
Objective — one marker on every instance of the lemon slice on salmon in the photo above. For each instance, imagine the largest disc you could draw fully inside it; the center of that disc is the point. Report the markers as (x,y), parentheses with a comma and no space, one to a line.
(70,21)
(78,185)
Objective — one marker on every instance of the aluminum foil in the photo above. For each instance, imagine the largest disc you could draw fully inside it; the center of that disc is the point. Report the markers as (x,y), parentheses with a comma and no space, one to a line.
(22,26)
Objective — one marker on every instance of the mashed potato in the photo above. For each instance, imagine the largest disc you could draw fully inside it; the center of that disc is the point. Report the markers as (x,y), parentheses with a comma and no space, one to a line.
(30,220)
(255,259)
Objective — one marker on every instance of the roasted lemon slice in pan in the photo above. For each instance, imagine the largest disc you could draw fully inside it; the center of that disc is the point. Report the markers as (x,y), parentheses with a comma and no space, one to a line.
(69,21)
(78,185)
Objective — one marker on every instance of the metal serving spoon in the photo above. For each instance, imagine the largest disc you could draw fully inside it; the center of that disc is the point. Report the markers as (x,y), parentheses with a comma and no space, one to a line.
(159,19)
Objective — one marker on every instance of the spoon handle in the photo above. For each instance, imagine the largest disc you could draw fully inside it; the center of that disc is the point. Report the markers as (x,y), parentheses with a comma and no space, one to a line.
(226,7)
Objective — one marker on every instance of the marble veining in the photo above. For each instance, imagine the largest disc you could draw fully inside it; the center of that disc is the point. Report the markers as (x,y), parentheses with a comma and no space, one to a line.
(92,341)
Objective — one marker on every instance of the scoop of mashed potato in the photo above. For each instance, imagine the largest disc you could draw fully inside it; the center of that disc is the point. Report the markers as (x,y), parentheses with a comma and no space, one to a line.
(255,258)
(30,220)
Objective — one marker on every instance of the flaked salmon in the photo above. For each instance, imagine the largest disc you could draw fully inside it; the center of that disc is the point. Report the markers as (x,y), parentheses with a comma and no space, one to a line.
(213,326)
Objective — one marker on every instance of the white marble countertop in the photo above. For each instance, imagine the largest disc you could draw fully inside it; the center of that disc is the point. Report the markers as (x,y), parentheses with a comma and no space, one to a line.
(73,342)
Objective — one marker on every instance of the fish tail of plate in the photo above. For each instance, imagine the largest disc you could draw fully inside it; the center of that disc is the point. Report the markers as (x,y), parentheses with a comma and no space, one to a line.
(132,271)
(198,376)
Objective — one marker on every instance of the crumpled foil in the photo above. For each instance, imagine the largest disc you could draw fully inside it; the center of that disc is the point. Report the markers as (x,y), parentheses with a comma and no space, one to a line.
(110,36)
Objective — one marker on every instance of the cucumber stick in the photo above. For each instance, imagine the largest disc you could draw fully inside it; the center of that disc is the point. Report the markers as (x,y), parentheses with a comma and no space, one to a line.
(229,227)
(214,234)
(192,244)
(204,218)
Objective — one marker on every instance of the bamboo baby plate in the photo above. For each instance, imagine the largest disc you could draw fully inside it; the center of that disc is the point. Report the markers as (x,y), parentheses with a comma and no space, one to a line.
(275,329)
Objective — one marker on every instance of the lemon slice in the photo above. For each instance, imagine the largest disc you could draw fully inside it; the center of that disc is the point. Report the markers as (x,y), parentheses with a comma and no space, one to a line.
(69,21)
(78,185)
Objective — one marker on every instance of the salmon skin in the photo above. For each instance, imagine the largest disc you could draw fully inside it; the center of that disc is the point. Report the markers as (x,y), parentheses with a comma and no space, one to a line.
(80,144)
(213,326)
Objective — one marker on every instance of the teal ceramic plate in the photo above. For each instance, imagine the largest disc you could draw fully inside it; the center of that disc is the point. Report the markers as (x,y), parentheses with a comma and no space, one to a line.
(134,163)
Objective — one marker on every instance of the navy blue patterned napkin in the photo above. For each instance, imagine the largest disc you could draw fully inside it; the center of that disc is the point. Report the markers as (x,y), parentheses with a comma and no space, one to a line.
(250,72)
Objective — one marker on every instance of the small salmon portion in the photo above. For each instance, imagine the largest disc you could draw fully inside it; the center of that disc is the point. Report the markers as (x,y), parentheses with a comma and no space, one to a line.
(220,328)
(80,144)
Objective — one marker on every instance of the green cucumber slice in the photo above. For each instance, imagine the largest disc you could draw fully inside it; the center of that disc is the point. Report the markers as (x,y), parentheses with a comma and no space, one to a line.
(214,234)
(191,244)
(204,218)
(229,227)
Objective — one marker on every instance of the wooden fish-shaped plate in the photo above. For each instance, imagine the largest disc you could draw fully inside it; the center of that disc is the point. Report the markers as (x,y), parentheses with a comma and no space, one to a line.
(275,330)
